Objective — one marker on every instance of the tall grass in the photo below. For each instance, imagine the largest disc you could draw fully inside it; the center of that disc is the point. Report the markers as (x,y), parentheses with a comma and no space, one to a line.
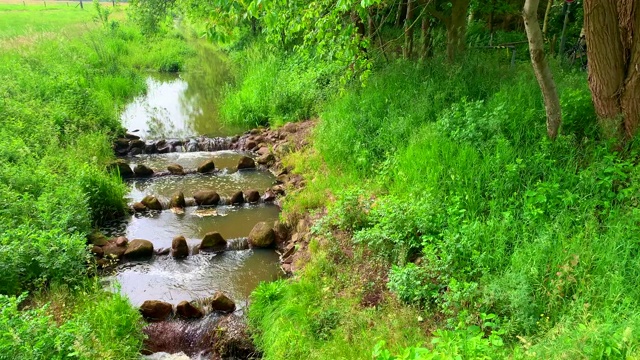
(61,99)
(447,175)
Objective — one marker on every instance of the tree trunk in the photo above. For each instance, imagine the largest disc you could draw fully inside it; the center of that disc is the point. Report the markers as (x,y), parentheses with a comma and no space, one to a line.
(541,68)
(457,28)
(612,29)
(425,50)
(407,51)
(545,22)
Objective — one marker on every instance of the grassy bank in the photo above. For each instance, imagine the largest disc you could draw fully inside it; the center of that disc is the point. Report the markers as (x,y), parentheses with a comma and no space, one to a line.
(499,242)
(62,94)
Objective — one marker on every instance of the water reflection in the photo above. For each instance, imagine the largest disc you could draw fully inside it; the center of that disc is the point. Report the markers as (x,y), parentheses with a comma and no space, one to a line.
(183,105)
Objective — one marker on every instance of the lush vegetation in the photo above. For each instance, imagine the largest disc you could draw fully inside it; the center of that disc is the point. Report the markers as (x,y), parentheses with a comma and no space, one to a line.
(436,188)
(61,97)
(447,225)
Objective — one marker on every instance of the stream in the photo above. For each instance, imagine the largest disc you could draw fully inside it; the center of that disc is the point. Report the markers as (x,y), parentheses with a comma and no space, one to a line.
(179,106)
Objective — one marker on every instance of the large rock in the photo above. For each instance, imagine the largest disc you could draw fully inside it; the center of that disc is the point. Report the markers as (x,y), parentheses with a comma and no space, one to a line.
(253,196)
(237,198)
(179,247)
(206,167)
(187,311)
(266,159)
(213,241)
(177,201)
(137,144)
(262,235)
(97,238)
(97,251)
(249,145)
(139,207)
(122,168)
(220,302)
(156,310)
(152,203)
(113,251)
(175,169)
(206,198)
(121,144)
(122,241)
(142,170)
(246,162)
(150,147)
(139,249)
(281,231)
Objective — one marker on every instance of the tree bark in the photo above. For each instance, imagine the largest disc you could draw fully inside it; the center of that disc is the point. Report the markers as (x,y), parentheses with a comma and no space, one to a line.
(426,39)
(545,22)
(541,68)
(456,29)
(612,29)
(407,50)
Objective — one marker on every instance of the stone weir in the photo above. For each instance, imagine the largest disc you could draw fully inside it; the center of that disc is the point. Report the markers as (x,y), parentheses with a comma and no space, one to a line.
(205,200)
(132,145)
(142,171)
(256,140)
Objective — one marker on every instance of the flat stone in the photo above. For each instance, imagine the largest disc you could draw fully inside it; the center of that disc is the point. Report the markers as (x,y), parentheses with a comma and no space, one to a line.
(137,144)
(266,159)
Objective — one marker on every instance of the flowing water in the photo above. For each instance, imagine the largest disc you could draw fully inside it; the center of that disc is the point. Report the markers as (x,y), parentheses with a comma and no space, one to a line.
(178,106)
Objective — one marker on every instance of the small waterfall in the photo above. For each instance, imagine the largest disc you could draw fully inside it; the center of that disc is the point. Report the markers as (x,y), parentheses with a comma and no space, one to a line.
(238,244)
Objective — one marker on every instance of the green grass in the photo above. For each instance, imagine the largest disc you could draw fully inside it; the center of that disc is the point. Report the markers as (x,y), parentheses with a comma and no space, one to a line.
(18,20)
(445,175)
(85,322)
(61,99)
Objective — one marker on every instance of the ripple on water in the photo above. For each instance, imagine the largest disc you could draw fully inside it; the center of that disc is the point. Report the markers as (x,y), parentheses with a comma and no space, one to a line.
(224,183)
(236,273)
(188,160)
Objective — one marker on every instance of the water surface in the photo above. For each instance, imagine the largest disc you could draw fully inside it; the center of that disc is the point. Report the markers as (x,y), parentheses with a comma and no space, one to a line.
(184,105)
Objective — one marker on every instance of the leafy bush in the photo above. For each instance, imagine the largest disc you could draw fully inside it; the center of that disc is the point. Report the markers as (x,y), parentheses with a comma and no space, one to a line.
(412,284)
